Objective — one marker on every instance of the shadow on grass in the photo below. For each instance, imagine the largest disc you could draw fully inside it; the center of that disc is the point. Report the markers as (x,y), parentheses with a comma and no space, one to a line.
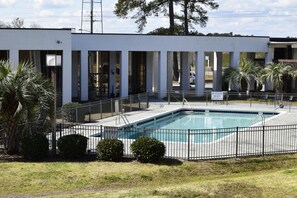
(86,158)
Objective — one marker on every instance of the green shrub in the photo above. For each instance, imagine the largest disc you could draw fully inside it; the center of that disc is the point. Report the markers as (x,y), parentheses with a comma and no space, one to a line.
(110,149)
(146,149)
(72,146)
(34,146)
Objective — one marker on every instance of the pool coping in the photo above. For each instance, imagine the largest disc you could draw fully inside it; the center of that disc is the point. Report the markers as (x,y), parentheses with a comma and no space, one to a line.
(161,109)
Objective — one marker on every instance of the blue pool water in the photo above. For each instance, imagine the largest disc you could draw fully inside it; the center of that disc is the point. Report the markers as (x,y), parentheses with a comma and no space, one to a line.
(205,120)
(205,127)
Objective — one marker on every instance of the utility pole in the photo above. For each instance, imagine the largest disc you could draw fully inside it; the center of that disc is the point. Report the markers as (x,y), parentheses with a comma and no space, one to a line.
(90,15)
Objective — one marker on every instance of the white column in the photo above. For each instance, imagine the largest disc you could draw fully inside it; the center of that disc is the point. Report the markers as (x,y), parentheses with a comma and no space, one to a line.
(14,57)
(155,71)
(185,71)
(234,59)
(162,67)
(200,73)
(149,71)
(217,71)
(112,73)
(124,75)
(75,64)
(170,70)
(67,76)
(84,76)
(269,55)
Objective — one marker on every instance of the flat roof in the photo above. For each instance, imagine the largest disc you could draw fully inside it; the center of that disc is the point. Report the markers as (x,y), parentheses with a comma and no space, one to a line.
(66,29)
(132,34)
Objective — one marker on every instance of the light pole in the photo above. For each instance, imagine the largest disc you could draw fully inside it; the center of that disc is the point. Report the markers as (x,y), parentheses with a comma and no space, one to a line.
(53,60)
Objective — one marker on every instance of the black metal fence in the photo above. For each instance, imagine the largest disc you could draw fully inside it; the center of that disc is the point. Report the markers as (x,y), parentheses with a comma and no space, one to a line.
(194,144)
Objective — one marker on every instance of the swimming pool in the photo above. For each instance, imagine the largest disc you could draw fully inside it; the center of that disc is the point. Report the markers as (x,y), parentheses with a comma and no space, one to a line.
(205,120)
(203,126)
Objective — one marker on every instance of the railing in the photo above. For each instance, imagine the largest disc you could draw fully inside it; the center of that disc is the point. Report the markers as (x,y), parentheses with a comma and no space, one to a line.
(194,144)
(124,118)
(93,111)
(280,100)
(185,101)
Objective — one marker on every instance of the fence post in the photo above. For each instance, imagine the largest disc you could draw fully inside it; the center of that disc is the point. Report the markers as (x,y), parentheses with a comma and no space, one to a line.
(101,132)
(61,129)
(111,106)
(236,152)
(189,139)
(76,113)
(138,95)
(89,112)
(168,95)
(62,114)
(250,99)
(100,109)
(263,138)
(54,138)
(147,100)
(130,98)
(206,94)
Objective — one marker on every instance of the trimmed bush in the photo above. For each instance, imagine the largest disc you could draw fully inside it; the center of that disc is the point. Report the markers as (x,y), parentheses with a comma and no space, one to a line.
(34,146)
(146,149)
(72,146)
(110,149)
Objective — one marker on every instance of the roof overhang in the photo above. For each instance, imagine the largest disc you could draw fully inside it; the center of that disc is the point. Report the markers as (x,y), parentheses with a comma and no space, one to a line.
(293,44)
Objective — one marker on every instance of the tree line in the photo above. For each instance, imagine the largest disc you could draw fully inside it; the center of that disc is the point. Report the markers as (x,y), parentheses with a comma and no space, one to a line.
(17,23)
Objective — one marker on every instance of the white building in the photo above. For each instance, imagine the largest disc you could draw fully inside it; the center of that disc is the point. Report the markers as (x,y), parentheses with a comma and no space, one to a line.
(95,65)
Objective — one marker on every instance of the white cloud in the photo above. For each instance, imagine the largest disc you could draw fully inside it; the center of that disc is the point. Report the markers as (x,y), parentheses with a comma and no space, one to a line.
(46,13)
(252,17)
(7,2)
(52,3)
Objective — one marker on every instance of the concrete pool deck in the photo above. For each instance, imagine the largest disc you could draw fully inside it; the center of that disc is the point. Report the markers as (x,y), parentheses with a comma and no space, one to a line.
(236,143)
(287,115)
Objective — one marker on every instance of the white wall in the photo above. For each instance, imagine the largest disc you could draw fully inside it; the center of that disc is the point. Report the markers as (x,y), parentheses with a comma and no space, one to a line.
(40,39)
(62,39)
(113,42)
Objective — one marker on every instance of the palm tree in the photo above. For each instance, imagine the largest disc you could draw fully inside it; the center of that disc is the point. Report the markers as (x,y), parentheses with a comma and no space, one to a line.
(24,95)
(247,71)
(275,73)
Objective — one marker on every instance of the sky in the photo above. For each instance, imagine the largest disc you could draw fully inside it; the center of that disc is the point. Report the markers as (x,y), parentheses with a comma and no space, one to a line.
(275,18)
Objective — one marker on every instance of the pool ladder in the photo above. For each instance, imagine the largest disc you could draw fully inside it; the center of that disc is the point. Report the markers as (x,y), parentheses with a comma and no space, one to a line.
(262,118)
(185,101)
(124,118)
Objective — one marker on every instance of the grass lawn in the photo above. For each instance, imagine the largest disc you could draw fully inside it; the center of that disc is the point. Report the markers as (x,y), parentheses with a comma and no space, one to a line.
(271,176)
